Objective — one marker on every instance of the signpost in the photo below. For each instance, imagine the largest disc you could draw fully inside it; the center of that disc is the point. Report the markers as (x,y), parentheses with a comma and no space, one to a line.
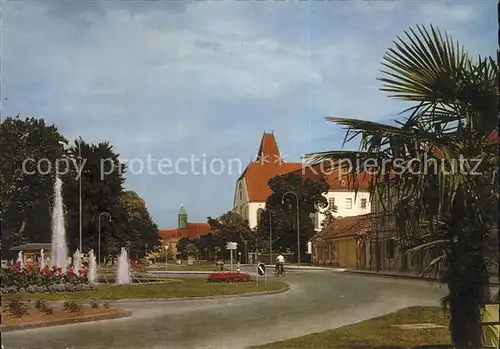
(166,256)
(231,246)
(261,271)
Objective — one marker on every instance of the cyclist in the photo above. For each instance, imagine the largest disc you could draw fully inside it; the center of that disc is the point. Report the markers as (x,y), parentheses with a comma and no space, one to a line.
(280,264)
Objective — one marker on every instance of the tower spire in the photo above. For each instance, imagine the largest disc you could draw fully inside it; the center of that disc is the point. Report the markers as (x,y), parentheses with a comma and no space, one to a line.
(182,218)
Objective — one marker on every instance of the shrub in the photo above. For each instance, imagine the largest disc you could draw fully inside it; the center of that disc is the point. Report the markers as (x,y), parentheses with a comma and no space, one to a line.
(106,305)
(94,304)
(42,307)
(33,279)
(71,306)
(16,308)
(228,277)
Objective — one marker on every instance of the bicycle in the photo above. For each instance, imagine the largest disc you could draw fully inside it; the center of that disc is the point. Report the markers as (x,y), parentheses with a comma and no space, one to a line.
(279,271)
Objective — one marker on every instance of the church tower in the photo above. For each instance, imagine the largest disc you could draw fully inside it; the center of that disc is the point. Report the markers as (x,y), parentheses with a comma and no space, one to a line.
(183,218)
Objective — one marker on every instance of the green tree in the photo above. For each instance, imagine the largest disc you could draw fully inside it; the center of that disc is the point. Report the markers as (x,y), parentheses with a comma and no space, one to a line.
(102,186)
(449,216)
(231,227)
(283,208)
(26,194)
(140,229)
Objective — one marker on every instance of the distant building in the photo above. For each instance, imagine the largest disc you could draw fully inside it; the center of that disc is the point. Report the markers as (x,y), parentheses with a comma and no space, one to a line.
(31,252)
(342,244)
(252,189)
(184,229)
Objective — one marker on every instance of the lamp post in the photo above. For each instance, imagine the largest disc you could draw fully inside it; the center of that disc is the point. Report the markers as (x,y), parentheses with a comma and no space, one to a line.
(99,237)
(270,238)
(79,158)
(298,228)
(80,190)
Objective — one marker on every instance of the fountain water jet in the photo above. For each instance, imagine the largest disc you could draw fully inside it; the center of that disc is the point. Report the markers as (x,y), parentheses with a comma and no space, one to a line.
(42,259)
(77,261)
(20,259)
(59,247)
(123,269)
(92,275)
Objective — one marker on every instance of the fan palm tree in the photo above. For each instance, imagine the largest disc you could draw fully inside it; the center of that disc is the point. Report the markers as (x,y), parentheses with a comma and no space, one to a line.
(449,213)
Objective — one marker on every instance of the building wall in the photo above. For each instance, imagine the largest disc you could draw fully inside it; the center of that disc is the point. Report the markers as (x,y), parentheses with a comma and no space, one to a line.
(340,253)
(240,202)
(340,198)
(253,213)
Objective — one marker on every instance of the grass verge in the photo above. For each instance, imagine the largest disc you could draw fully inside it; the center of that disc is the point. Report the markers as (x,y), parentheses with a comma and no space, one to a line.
(377,333)
(184,267)
(189,287)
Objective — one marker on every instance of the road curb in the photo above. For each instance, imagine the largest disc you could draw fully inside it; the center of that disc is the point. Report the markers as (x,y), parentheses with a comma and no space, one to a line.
(396,276)
(118,314)
(183,299)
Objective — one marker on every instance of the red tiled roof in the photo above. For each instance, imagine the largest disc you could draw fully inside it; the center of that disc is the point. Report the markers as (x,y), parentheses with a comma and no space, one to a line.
(345,227)
(335,178)
(268,165)
(192,230)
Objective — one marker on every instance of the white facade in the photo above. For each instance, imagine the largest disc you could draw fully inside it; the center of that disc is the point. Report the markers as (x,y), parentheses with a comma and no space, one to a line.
(348,204)
(247,210)
(347,201)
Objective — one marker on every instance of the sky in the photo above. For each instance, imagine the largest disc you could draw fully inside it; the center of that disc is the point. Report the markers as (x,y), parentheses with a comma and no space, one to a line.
(201,80)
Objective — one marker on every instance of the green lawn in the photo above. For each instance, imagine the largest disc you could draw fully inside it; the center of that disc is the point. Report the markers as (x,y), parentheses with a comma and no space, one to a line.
(194,267)
(189,287)
(377,333)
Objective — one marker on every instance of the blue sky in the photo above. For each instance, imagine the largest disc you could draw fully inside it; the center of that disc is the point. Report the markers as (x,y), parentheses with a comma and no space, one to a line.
(176,79)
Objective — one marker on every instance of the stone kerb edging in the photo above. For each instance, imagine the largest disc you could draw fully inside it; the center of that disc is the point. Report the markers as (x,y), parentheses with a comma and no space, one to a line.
(118,314)
(180,299)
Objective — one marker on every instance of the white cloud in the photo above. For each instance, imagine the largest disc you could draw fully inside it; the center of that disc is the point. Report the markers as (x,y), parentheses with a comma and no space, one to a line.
(211,76)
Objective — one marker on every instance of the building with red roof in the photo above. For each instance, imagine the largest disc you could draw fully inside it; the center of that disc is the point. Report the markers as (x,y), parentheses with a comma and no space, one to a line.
(252,188)
(184,229)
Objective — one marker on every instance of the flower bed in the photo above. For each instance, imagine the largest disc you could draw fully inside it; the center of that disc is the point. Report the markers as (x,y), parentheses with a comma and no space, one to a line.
(228,277)
(15,278)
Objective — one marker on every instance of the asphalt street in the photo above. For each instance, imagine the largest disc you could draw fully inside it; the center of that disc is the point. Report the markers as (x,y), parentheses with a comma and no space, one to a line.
(317,301)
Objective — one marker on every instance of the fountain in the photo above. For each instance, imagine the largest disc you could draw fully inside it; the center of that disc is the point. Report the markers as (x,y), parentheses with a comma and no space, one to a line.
(42,259)
(59,247)
(123,270)
(77,261)
(92,275)
(20,259)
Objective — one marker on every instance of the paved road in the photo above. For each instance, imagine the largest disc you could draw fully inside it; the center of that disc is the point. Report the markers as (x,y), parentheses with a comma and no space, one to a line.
(318,300)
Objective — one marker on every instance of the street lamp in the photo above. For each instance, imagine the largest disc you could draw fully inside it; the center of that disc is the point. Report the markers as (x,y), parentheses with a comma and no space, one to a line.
(99,242)
(80,190)
(79,142)
(270,238)
(298,228)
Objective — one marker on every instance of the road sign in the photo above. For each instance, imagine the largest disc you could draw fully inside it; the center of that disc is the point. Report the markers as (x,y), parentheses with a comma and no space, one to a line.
(231,245)
(261,269)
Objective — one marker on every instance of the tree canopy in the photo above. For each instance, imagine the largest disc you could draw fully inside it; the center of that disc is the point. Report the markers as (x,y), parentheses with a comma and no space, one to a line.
(27,192)
(281,210)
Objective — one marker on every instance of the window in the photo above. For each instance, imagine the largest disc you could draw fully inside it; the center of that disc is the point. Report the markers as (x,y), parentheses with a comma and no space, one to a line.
(331,203)
(348,203)
(342,183)
(363,203)
(241,191)
(260,211)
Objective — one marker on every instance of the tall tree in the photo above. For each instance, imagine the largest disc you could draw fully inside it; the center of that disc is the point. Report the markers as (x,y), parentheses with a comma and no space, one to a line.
(448,214)
(102,179)
(283,208)
(26,191)
(231,227)
(141,231)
